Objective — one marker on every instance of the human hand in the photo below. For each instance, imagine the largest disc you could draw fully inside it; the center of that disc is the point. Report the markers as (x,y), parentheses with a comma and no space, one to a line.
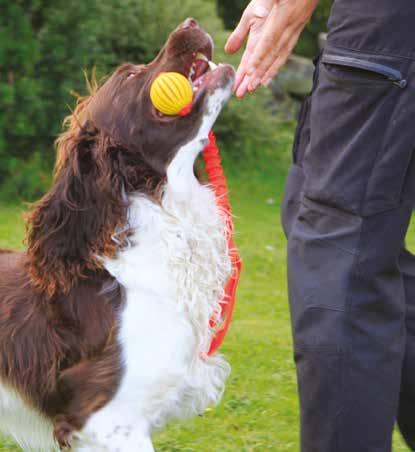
(273,28)
(251,25)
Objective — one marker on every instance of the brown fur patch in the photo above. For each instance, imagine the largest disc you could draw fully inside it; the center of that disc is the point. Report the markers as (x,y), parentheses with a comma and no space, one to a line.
(63,357)
(76,220)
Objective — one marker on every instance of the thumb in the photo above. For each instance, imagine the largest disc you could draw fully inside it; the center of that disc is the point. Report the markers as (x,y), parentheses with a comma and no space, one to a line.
(238,36)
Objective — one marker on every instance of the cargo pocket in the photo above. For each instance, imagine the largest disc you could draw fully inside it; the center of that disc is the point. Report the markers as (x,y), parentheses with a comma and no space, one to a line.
(356,161)
(321,258)
(358,70)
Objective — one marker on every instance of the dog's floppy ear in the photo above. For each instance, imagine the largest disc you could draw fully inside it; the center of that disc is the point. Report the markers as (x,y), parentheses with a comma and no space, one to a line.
(74,223)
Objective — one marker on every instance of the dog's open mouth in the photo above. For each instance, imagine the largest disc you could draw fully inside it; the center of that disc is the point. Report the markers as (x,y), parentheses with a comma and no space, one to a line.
(203,72)
(199,69)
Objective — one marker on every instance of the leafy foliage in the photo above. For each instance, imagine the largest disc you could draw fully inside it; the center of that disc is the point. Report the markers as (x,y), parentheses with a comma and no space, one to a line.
(230,11)
(43,46)
(308,43)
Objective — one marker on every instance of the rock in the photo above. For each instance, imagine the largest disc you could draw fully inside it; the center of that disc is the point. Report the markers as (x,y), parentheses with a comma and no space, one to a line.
(295,78)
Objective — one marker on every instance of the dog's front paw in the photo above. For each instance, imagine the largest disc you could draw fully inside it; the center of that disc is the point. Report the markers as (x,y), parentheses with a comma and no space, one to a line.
(63,431)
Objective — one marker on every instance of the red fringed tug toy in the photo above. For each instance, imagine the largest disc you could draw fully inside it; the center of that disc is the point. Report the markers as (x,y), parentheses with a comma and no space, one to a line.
(217,181)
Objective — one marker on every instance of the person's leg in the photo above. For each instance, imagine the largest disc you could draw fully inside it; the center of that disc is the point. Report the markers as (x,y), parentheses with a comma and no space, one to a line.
(345,232)
(406,413)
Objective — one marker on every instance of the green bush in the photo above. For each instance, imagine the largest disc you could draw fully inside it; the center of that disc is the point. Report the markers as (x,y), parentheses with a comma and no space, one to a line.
(45,45)
(231,11)
(308,43)
(29,179)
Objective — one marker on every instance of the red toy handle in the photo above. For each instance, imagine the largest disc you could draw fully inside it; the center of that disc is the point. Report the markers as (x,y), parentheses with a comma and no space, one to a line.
(217,181)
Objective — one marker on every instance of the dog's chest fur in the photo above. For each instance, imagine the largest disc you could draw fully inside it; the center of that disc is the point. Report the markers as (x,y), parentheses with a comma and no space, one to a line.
(173,272)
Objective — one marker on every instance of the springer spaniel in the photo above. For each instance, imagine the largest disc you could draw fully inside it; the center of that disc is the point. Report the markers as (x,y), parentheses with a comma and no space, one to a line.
(105,318)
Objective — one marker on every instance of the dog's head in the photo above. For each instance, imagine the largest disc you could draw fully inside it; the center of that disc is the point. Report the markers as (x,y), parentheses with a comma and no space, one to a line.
(123,109)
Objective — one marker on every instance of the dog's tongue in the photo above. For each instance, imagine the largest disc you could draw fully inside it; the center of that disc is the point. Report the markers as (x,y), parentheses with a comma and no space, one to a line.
(200,67)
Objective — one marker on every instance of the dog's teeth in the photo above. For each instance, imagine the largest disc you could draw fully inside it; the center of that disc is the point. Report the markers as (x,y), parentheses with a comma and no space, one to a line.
(212,65)
(201,56)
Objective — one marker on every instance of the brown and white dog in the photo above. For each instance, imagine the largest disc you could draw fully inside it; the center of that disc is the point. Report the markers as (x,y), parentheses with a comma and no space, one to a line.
(105,318)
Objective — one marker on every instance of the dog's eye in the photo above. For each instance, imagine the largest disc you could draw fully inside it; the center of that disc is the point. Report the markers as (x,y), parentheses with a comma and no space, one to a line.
(130,75)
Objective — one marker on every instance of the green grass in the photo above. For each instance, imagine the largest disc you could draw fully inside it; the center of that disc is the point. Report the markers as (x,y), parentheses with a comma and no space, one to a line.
(11,226)
(259,411)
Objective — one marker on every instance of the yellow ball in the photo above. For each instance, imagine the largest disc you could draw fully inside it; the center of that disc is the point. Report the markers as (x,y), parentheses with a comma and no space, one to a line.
(171,92)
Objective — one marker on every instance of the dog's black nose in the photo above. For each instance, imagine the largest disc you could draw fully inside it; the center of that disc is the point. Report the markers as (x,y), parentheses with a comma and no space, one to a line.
(190,23)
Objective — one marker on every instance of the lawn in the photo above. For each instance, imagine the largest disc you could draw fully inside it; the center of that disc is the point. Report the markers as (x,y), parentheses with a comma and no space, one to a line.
(259,411)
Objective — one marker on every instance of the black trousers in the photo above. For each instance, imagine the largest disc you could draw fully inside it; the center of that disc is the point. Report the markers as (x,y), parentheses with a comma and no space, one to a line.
(348,202)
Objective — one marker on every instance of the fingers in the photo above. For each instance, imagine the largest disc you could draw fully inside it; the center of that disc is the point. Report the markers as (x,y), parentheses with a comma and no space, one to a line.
(243,66)
(237,38)
(279,53)
(283,22)
(242,89)
(241,72)
(260,11)
(277,39)
(255,12)
(273,28)
(275,31)
(280,61)
(273,62)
